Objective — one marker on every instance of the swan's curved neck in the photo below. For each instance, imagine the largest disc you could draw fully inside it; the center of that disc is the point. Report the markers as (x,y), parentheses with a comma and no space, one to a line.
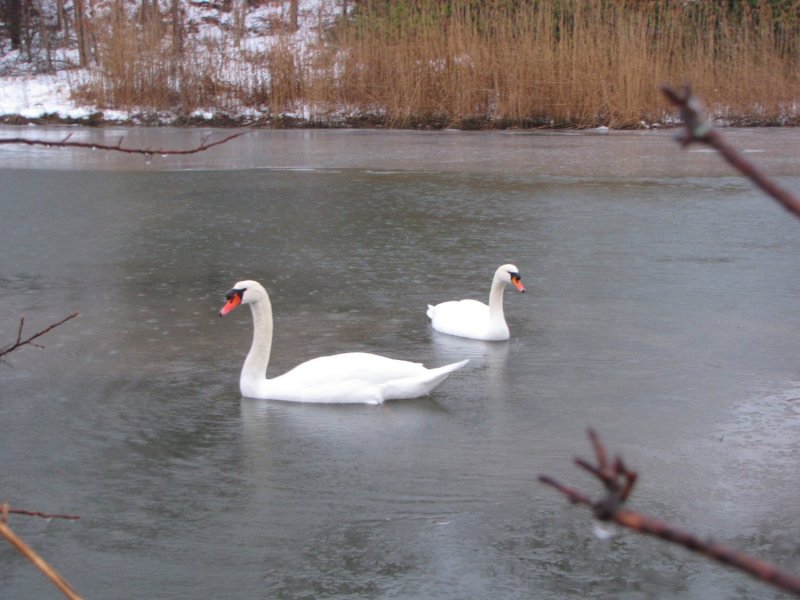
(255,365)
(496,300)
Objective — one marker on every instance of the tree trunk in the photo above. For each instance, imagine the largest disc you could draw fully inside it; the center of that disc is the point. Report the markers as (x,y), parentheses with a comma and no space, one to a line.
(293,25)
(176,16)
(14,19)
(44,35)
(63,22)
(81,31)
(239,16)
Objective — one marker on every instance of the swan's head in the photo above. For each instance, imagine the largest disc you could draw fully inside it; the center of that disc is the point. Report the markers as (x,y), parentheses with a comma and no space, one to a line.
(243,292)
(510,274)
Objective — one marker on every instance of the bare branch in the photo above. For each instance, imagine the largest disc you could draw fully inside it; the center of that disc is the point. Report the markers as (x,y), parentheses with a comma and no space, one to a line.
(29,341)
(43,515)
(599,450)
(572,494)
(619,483)
(19,332)
(65,143)
(40,563)
(699,129)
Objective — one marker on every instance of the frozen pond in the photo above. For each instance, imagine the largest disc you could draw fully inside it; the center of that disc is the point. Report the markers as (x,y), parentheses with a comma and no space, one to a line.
(662,309)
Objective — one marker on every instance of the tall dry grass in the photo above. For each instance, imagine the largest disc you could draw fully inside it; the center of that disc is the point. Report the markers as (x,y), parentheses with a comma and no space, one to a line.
(474,63)
(566,62)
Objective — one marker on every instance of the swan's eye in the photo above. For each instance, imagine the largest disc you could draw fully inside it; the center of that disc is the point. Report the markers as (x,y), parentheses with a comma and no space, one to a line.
(515,276)
(235,292)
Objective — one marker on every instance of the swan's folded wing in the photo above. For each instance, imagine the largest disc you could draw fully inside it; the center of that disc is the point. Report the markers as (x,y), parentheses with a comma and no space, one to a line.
(353,366)
(358,378)
(418,385)
(345,391)
(460,317)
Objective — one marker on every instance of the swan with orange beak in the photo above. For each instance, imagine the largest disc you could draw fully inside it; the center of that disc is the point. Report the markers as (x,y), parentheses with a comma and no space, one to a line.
(353,377)
(474,319)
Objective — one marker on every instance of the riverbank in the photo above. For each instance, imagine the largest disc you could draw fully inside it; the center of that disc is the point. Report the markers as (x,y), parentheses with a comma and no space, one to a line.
(425,65)
(98,118)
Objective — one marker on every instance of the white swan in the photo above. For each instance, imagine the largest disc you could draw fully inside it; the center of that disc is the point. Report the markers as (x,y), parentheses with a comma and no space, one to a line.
(354,377)
(473,319)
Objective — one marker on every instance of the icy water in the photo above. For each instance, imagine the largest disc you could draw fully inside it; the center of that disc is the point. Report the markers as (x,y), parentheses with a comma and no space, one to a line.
(662,309)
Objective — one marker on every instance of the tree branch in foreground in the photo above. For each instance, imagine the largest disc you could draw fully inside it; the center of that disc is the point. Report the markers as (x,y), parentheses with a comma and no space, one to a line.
(65,143)
(700,129)
(619,483)
(29,341)
(29,553)
(43,515)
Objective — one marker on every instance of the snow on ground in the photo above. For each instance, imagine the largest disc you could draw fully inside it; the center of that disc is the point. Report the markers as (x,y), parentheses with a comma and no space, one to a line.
(35,96)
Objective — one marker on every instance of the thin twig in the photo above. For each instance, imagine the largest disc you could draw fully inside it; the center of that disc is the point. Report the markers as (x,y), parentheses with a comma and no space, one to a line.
(29,341)
(65,143)
(619,483)
(54,576)
(43,515)
(700,129)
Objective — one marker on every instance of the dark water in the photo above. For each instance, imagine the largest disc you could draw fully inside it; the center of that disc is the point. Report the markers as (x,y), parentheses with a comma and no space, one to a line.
(662,309)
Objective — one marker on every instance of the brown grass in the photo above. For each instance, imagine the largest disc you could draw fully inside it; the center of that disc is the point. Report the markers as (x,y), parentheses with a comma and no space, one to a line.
(473,63)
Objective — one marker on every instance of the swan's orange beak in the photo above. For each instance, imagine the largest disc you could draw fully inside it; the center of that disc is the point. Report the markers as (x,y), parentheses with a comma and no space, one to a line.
(234,301)
(517,283)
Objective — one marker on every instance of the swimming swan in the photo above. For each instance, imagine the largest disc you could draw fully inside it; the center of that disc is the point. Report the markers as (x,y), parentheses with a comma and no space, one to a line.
(354,377)
(473,319)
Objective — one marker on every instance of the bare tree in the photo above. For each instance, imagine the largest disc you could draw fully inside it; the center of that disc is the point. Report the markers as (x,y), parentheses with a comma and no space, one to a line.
(62,20)
(81,32)
(13,17)
(239,10)
(293,16)
(176,15)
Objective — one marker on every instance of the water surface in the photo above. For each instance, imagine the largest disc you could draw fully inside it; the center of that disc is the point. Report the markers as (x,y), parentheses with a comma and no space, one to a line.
(661,309)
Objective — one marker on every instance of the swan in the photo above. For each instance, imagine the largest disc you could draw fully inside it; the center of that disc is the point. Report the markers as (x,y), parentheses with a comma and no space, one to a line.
(353,377)
(473,319)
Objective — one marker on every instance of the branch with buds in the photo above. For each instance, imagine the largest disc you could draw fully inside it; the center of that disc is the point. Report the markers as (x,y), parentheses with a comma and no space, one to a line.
(619,481)
(700,129)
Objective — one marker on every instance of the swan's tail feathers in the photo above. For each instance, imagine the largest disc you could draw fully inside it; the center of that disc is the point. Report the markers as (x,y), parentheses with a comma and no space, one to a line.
(447,369)
(436,376)
(430,311)
(418,385)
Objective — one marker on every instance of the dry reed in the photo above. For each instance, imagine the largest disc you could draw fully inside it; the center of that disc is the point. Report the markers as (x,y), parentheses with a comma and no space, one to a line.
(470,63)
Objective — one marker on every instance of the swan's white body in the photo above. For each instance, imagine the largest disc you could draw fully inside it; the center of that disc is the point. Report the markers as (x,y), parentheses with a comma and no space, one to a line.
(354,377)
(473,319)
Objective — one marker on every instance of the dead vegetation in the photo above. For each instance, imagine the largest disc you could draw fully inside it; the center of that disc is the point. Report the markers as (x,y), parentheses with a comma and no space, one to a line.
(461,63)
